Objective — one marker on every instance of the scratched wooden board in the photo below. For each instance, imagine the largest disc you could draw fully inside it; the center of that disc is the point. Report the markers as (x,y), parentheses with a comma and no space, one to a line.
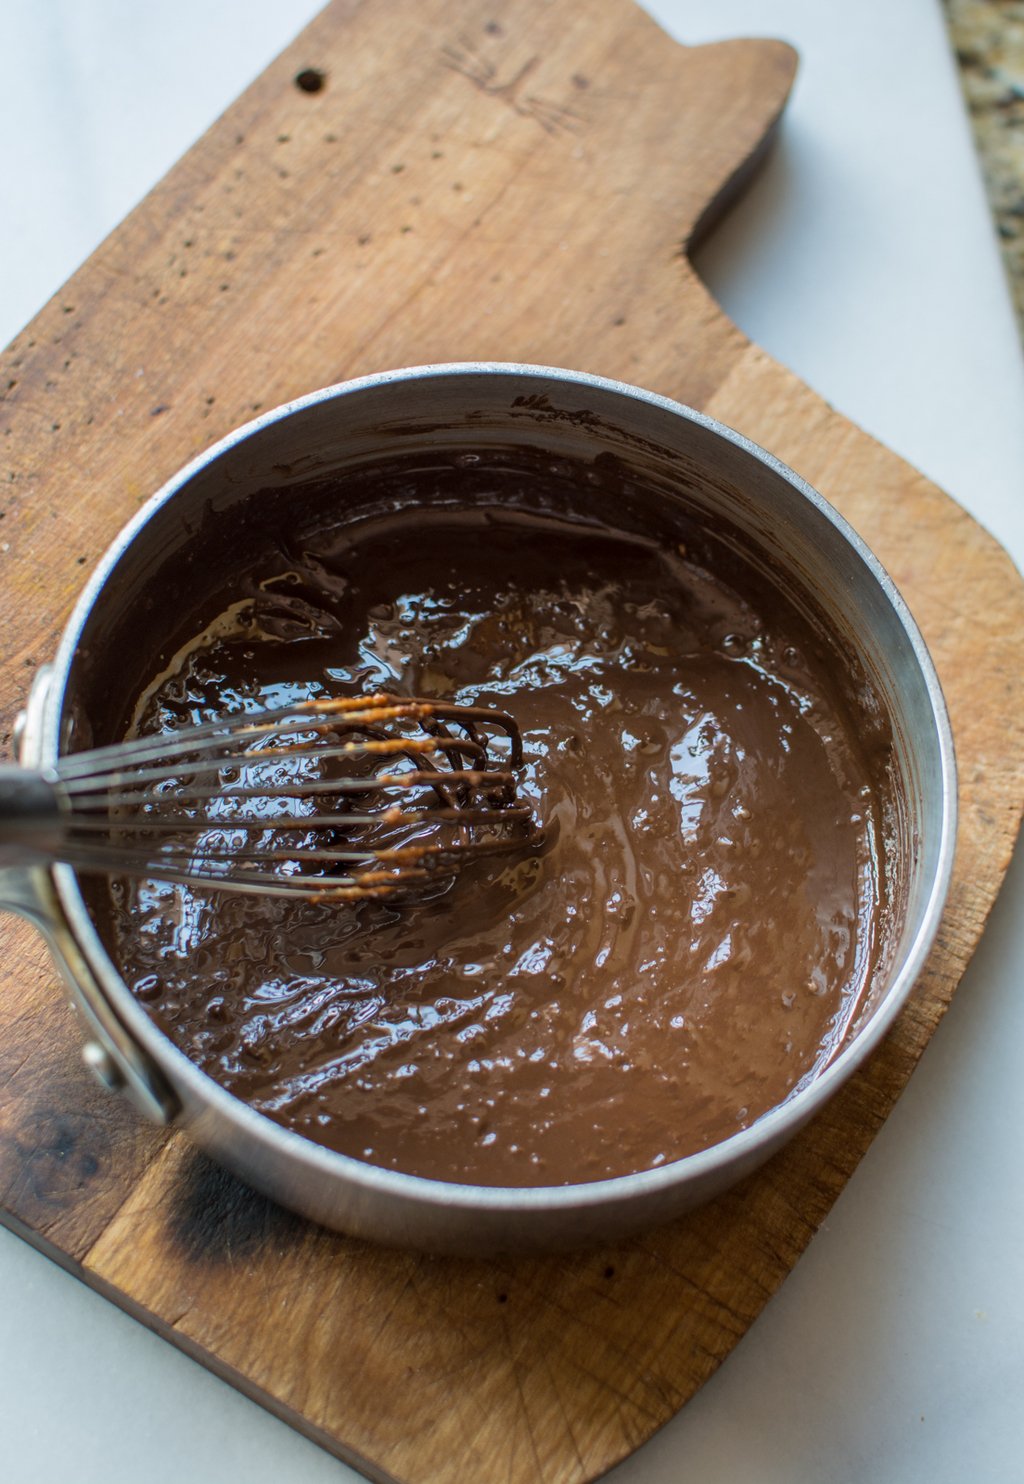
(461,187)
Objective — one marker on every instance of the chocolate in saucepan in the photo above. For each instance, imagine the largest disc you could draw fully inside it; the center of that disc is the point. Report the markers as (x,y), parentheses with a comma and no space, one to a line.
(703,925)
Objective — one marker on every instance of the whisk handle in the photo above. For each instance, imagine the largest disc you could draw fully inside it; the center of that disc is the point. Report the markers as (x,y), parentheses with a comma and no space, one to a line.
(31,818)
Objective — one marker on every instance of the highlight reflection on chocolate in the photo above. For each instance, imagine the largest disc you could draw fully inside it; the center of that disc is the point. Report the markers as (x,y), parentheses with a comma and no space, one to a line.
(703,925)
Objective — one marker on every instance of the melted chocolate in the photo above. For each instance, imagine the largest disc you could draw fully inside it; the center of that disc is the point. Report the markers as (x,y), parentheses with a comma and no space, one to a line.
(690,948)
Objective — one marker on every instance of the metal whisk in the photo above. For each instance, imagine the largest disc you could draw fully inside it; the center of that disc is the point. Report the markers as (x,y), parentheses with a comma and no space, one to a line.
(329,799)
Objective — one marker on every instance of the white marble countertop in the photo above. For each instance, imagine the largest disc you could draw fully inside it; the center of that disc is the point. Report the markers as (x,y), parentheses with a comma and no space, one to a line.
(864,258)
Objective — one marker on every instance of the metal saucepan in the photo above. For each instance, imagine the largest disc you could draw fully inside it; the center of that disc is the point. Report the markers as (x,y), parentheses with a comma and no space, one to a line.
(690,459)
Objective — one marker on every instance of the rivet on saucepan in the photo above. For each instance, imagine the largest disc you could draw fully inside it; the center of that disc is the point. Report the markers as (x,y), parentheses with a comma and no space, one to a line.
(102,1066)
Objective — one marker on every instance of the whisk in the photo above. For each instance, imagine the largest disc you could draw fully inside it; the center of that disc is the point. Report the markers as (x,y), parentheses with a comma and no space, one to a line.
(339,798)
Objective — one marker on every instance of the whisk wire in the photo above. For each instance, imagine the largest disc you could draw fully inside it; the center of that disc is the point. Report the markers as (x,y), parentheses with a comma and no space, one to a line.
(208,804)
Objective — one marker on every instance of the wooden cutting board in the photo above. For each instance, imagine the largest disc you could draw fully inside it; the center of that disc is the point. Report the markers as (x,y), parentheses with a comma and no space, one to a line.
(414,181)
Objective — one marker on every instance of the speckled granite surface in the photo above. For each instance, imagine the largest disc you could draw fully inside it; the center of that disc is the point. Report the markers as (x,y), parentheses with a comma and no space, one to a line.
(988,37)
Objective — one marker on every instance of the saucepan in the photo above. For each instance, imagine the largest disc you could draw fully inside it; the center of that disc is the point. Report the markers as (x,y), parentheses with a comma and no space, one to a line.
(711,470)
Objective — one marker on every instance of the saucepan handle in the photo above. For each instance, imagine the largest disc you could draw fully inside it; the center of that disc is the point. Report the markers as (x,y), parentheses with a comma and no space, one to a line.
(30,815)
(27,888)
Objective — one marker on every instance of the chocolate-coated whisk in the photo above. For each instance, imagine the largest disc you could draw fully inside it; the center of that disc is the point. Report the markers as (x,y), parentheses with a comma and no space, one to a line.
(330,799)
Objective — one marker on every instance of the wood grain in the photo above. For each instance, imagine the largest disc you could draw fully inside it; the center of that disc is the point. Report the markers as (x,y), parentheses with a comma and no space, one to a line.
(513,183)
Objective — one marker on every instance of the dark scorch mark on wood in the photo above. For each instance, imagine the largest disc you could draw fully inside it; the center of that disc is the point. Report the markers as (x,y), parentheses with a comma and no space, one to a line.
(216,1218)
